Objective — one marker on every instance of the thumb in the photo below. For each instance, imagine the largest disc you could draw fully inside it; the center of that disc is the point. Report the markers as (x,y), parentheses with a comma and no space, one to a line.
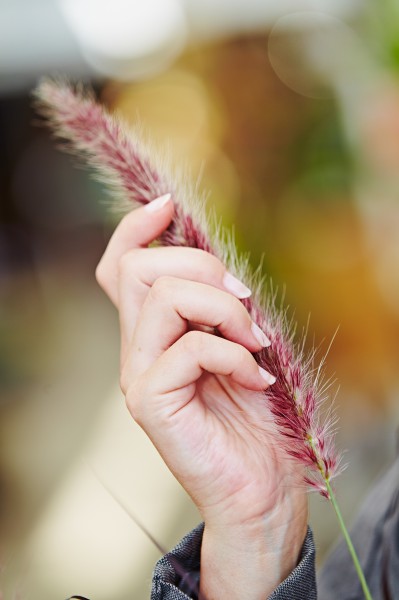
(136,230)
(142,226)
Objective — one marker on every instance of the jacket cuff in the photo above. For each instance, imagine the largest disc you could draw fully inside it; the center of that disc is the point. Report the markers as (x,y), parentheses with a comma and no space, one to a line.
(176,575)
(301,582)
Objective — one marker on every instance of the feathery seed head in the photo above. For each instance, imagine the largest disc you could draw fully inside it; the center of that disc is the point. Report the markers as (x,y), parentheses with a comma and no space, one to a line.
(127,166)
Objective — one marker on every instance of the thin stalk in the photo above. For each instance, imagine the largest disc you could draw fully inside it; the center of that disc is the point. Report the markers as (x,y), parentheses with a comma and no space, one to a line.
(348,541)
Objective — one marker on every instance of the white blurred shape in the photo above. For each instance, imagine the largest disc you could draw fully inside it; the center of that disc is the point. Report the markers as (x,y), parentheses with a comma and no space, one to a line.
(118,37)
(312,51)
(34,39)
(126,39)
(212,19)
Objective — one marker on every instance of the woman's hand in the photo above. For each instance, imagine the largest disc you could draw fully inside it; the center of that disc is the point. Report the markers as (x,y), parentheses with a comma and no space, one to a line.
(192,384)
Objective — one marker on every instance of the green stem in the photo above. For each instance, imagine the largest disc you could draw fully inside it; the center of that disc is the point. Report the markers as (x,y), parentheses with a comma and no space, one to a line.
(348,541)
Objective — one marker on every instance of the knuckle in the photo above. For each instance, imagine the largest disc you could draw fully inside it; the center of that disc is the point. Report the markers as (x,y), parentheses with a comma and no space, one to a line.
(134,407)
(101,274)
(241,354)
(206,260)
(231,311)
(133,396)
(193,342)
(124,380)
(234,305)
(162,287)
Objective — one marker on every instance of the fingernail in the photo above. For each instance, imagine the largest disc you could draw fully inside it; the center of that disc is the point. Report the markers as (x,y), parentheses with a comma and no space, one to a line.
(234,285)
(260,335)
(158,203)
(270,379)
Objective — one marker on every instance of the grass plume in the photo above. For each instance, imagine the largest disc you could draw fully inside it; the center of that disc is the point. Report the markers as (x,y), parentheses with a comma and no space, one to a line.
(130,169)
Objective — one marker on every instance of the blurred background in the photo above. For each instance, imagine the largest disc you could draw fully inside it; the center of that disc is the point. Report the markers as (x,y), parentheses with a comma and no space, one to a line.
(290,111)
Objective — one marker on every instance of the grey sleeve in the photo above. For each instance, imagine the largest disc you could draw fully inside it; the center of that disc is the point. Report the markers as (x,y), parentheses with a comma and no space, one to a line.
(176,575)
(375,535)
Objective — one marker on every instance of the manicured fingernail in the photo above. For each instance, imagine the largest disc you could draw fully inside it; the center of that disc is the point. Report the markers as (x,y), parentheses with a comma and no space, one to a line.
(158,203)
(234,285)
(270,379)
(260,335)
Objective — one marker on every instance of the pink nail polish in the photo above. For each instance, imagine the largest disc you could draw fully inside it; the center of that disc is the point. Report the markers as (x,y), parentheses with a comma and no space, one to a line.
(260,335)
(158,203)
(234,285)
(270,379)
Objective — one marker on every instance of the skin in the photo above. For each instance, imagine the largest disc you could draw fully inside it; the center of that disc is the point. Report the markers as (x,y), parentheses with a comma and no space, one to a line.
(198,397)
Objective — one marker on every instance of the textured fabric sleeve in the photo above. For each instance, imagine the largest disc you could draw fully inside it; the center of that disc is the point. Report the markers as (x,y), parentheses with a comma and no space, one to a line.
(301,583)
(178,571)
(176,575)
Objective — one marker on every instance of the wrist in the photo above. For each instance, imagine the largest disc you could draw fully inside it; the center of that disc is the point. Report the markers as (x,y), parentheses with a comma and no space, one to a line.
(250,559)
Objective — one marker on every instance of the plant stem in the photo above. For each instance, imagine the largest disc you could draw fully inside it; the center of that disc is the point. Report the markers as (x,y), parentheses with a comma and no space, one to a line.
(348,541)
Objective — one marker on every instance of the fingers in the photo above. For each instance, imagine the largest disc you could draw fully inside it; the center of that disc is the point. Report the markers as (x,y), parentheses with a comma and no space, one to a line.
(127,271)
(123,259)
(179,367)
(169,307)
(136,230)
(139,269)
(158,307)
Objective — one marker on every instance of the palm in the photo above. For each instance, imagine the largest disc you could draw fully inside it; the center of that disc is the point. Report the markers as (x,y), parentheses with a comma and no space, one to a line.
(224,447)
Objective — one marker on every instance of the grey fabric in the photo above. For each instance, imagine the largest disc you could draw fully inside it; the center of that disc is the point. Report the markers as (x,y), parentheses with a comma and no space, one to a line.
(375,536)
(170,570)
(169,581)
(301,583)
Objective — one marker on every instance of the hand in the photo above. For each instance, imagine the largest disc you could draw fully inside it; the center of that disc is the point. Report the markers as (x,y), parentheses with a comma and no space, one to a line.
(199,398)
